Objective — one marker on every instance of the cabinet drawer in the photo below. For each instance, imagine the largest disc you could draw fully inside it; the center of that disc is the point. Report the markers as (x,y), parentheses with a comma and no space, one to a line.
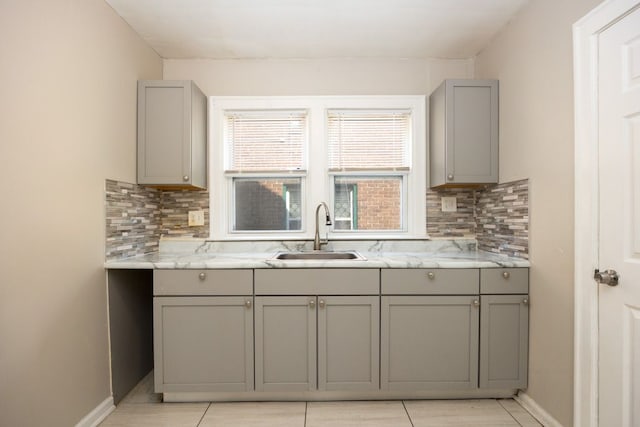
(504,281)
(202,282)
(430,281)
(317,281)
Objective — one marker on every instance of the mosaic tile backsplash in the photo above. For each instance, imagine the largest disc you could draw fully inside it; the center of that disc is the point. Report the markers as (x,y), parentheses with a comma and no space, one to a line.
(461,223)
(502,215)
(174,211)
(137,216)
(496,216)
(133,219)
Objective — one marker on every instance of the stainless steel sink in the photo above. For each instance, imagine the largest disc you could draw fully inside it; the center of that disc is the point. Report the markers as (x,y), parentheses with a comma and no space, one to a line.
(319,255)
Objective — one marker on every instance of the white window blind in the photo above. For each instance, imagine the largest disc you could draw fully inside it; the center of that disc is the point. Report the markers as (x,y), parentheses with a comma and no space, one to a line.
(369,139)
(265,141)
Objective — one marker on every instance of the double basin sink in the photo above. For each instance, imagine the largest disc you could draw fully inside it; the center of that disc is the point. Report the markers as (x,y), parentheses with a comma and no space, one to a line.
(319,255)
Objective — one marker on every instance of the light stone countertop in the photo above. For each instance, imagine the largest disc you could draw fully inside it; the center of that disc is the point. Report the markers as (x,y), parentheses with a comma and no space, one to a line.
(202,254)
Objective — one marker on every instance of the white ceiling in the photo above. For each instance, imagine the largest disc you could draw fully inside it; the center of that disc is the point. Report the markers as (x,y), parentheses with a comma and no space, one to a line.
(225,29)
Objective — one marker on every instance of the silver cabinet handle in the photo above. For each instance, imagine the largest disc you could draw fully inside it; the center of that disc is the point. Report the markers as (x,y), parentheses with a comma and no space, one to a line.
(450,177)
(185,178)
(202,276)
(525,301)
(312,303)
(247,303)
(506,274)
(431,275)
(475,303)
(321,303)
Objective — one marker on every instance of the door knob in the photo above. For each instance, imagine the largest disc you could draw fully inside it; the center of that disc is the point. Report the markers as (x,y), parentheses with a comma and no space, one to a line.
(608,277)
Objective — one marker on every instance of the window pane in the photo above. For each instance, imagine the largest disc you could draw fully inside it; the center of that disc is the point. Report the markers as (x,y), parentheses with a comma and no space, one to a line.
(369,139)
(368,203)
(267,204)
(271,140)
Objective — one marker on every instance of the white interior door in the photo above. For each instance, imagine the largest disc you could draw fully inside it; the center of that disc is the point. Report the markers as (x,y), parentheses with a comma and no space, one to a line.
(619,223)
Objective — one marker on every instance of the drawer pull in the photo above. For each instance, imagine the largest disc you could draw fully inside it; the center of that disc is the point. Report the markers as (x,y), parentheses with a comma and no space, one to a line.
(525,301)
(202,276)
(431,275)
(506,274)
(476,303)
(321,303)
(247,303)
(312,303)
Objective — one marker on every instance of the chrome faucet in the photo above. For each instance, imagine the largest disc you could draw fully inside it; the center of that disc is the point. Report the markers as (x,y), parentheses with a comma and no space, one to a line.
(317,244)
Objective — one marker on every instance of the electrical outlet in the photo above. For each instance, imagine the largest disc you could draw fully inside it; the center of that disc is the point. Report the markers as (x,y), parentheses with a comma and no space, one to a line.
(449,204)
(196,218)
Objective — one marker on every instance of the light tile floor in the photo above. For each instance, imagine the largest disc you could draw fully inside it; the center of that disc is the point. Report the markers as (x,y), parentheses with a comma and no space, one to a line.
(143,408)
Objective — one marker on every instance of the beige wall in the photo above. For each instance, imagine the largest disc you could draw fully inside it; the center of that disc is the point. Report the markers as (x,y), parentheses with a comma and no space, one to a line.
(67,122)
(532,58)
(317,77)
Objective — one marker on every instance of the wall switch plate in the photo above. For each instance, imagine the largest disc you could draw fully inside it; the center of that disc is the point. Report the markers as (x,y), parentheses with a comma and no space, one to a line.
(449,204)
(196,218)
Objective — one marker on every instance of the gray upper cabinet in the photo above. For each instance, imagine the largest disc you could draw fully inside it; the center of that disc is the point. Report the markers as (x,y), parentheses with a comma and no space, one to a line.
(172,134)
(463,133)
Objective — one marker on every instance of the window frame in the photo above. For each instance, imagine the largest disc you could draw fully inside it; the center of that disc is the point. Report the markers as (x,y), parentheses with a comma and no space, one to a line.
(317,181)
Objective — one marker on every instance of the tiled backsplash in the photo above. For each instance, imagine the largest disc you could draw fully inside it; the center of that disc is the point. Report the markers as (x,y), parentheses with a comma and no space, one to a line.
(133,219)
(496,216)
(137,216)
(502,214)
(461,223)
(174,211)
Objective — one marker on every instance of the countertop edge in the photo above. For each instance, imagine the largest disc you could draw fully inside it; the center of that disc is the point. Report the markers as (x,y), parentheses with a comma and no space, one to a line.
(265,261)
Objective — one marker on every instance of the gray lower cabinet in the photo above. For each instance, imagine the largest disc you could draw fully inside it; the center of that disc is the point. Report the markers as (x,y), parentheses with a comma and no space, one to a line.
(357,330)
(429,342)
(504,337)
(504,327)
(285,333)
(348,342)
(304,343)
(203,344)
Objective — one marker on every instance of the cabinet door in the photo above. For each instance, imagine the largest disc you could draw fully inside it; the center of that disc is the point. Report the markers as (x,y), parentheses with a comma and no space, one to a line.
(348,342)
(472,131)
(171,134)
(504,341)
(463,129)
(429,342)
(203,344)
(285,334)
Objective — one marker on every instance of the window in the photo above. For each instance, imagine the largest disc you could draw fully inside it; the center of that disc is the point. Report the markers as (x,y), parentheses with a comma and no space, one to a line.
(368,161)
(274,159)
(267,204)
(268,146)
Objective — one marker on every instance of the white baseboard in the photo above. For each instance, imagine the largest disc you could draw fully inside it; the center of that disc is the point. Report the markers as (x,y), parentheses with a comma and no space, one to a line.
(536,410)
(99,413)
